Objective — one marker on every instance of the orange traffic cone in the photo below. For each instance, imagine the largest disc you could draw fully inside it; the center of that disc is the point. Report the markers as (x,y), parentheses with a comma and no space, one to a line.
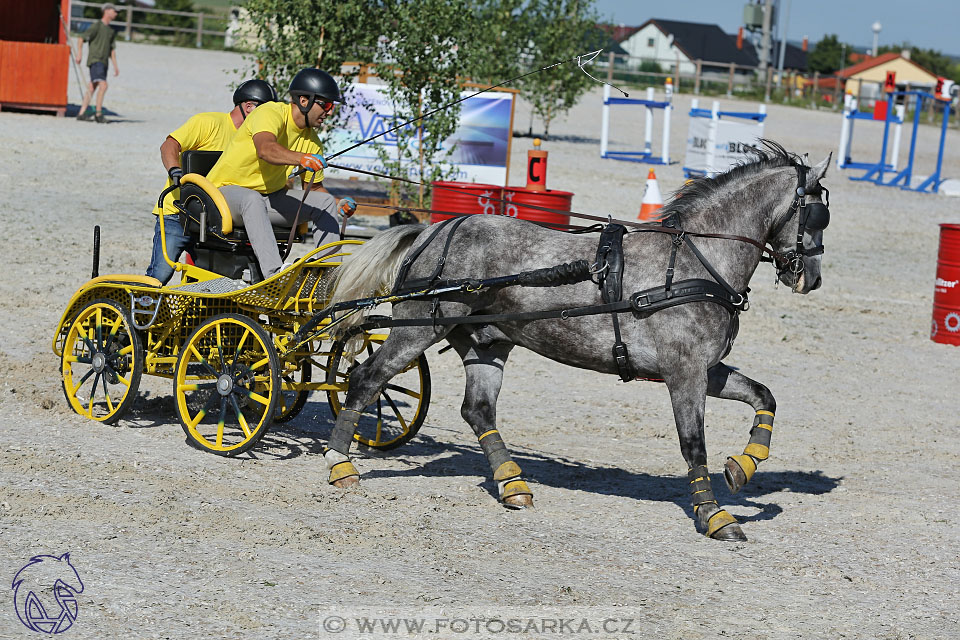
(652,200)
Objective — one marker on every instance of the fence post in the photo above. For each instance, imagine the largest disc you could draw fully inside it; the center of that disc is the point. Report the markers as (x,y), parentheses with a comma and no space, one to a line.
(128,29)
(676,72)
(696,82)
(766,91)
(733,68)
(610,62)
(199,30)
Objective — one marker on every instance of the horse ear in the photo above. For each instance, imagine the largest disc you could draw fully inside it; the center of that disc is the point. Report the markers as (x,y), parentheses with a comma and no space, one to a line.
(817,172)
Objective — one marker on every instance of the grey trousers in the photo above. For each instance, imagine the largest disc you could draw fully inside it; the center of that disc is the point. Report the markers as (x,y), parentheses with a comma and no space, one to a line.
(257,213)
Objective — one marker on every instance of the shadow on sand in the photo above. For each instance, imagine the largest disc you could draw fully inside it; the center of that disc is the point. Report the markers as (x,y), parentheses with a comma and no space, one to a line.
(427,456)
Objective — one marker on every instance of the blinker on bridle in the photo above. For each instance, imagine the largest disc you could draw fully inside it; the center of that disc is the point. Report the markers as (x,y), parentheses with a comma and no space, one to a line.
(814,216)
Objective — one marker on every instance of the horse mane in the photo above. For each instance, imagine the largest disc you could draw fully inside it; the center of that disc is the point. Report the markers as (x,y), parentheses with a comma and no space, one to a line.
(769,155)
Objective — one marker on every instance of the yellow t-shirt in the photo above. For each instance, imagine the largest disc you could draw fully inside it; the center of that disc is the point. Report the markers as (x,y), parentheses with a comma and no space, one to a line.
(203,132)
(239,163)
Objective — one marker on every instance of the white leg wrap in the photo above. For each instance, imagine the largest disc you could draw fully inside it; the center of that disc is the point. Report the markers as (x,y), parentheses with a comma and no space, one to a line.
(334,457)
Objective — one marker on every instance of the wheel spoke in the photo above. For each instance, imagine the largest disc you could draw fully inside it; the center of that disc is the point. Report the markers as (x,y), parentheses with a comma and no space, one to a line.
(403,390)
(106,394)
(203,411)
(243,339)
(126,350)
(259,363)
(93,392)
(83,379)
(240,418)
(221,420)
(223,362)
(203,361)
(198,386)
(78,359)
(252,395)
(113,332)
(99,327)
(396,411)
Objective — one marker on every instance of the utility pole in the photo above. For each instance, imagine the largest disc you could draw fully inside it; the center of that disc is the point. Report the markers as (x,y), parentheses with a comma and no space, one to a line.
(783,22)
(764,53)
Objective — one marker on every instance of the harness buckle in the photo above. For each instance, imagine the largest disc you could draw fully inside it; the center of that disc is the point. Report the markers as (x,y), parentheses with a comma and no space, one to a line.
(678,239)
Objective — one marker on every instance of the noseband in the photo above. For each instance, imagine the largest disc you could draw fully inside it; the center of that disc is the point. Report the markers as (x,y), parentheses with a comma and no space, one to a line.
(813,216)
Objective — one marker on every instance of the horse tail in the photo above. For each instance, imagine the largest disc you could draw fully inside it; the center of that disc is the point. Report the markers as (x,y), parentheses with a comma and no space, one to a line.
(372,270)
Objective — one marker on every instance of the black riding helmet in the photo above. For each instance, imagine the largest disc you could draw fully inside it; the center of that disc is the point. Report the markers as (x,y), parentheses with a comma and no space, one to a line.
(315,84)
(258,91)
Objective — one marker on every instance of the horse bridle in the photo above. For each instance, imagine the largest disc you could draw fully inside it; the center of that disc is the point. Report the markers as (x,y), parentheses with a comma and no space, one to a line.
(813,216)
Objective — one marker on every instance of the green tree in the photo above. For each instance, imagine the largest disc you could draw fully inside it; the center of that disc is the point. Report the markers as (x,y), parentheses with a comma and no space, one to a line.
(504,29)
(310,33)
(559,30)
(423,58)
(829,55)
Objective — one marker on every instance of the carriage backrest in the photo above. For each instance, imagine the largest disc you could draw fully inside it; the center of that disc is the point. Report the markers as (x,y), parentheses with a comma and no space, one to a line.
(200,162)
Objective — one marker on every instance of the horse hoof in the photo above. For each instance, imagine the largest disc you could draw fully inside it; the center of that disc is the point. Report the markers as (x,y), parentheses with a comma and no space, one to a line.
(518,502)
(730,533)
(734,476)
(346,483)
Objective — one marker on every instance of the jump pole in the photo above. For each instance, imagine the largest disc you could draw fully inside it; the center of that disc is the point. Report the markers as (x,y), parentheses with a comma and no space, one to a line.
(850,116)
(650,104)
(903,178)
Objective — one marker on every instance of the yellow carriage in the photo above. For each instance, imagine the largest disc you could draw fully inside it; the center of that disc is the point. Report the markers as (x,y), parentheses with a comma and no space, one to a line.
(228,346)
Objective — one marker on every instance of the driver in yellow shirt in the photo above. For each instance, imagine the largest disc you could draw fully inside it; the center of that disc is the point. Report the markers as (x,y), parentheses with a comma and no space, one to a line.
(210,131)
(252,172)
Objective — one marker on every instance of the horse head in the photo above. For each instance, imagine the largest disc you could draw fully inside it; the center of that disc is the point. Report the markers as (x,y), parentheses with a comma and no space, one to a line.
(798,235)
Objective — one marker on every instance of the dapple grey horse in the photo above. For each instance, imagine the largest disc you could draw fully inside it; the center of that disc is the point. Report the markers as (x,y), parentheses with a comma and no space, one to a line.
(682,345)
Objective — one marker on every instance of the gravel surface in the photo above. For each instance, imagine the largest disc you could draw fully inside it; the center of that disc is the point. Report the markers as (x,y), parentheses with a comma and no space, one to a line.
(852,522)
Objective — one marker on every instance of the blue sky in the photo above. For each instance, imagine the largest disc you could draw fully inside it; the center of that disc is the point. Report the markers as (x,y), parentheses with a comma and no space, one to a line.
(929,24)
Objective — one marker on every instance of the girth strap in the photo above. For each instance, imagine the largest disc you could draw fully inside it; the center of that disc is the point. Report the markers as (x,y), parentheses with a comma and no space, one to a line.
(610,278)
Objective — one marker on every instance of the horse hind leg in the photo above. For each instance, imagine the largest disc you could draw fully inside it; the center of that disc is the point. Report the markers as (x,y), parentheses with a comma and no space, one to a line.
(724,382)
(403,346)
(483,364)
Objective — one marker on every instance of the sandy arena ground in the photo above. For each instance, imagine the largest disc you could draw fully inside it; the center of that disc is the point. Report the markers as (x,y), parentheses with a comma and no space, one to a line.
(853,522)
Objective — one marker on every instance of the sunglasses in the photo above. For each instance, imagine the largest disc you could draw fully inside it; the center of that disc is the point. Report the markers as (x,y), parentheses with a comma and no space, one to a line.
(326,106)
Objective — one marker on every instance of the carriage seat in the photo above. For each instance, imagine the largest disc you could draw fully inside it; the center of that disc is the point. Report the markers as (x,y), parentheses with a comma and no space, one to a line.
(207,216)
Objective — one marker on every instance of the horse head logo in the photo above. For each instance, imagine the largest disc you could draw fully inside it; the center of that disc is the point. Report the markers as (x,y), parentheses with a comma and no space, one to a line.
(45,593)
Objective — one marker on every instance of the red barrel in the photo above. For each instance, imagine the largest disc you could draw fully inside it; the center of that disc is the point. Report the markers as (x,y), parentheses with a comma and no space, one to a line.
(464,197)
(550,198)
(946,290)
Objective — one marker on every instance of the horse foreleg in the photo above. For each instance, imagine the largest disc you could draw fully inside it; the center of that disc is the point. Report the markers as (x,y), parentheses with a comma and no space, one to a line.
(484,369)
(367,380)
(688,392)
(724,382)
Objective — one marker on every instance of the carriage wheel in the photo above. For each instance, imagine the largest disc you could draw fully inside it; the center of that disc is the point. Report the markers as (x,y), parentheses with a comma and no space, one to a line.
(293,397)
(102,362)
(227,384)
(398,412)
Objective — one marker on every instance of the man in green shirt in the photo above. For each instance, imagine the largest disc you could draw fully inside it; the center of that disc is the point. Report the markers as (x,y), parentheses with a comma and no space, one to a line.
(102,49)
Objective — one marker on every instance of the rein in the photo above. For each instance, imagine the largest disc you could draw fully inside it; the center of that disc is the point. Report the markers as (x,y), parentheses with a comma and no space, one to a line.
(774,255)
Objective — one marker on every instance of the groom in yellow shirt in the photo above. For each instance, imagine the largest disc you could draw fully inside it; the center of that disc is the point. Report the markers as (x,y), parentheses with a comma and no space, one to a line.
(209,131)
(252,172)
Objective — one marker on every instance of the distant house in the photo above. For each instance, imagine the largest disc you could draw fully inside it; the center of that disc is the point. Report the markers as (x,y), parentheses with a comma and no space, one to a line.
(668,40)
(866,78)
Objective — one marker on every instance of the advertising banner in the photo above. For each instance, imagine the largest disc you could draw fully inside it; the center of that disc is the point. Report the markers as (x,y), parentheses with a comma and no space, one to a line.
(478,149)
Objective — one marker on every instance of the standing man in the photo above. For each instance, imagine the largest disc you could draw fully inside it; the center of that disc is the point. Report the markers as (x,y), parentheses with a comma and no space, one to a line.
(210,131)
(252,172)
(102,49)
